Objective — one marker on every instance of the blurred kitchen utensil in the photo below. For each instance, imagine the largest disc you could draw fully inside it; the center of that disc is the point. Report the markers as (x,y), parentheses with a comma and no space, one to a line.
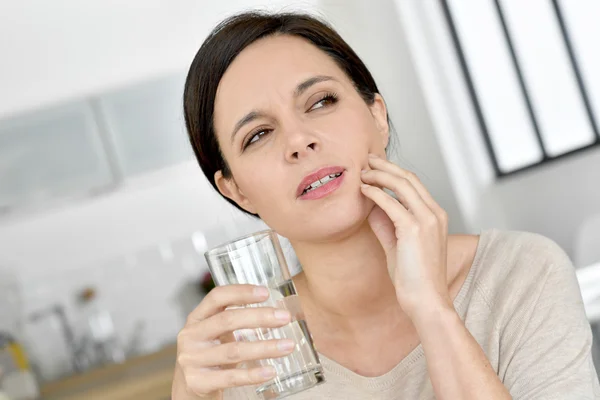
(11,304)
(18,381)
(101,329)
(79,359)
(3,395)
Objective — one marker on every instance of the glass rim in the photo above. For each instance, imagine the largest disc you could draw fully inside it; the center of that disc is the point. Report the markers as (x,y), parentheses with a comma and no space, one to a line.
(222,247)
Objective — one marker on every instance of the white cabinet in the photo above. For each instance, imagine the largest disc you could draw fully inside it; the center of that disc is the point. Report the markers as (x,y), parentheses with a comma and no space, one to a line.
(146,124)
(51,154)
(92,144)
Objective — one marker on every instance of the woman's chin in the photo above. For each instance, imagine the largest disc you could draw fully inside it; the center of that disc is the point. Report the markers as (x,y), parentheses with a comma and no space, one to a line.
(336,223)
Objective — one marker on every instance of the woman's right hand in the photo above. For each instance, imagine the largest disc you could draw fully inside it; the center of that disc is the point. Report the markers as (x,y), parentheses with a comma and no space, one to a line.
(207,353)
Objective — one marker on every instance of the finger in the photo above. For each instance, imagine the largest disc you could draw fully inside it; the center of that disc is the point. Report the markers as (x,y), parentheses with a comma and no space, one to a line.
(208,381)
(395,211)
(404,190)
(385,165)
(227,337)
(240,318)
(224,296)
(237,352)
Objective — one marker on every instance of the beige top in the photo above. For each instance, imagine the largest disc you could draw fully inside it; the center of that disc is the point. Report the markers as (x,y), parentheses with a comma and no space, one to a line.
(521,302)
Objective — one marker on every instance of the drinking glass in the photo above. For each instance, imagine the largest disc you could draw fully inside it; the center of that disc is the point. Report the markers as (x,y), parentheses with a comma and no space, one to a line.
(257,259)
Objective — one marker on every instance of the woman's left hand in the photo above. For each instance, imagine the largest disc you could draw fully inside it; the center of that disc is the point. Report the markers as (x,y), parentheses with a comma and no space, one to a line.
(413,231)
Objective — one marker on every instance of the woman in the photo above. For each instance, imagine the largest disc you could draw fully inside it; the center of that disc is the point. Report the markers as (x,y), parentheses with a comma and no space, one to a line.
(398,309)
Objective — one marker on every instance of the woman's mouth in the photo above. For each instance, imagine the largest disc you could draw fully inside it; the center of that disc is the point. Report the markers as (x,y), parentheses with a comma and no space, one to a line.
(322,187)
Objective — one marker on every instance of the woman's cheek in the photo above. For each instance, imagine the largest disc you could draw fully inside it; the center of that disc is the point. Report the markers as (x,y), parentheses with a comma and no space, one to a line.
(261,187)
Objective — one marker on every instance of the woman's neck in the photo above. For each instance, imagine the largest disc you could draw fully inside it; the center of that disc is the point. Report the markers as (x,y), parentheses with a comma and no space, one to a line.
(345,285)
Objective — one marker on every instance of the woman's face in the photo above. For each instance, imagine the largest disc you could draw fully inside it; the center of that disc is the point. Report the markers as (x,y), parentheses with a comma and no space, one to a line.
(285,110)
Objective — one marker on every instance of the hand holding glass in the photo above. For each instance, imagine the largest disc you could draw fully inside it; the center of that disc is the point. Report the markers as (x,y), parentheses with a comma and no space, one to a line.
(257,259)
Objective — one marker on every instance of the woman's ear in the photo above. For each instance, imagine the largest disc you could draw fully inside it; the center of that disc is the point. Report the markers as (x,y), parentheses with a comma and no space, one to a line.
(229,188)
(379,112)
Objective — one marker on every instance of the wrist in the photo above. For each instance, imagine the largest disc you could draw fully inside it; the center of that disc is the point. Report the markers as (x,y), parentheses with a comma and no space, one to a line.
(179,389)
(434,315)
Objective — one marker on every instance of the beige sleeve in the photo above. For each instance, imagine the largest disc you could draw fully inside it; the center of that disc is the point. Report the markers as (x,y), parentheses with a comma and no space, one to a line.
(553,357)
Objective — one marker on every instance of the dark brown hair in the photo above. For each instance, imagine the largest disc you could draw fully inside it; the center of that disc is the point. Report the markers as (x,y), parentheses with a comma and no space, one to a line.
(219,50)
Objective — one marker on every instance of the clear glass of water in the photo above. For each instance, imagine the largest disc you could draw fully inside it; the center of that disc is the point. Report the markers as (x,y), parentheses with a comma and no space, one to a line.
(257,259)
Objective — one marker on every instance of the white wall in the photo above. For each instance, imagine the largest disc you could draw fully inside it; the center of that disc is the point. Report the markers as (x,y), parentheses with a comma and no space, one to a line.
(149,210)
(59,50)
(553,200)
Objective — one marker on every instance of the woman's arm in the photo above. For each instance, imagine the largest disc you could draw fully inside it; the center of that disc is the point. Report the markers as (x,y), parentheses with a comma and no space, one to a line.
(457,365)
(413,231)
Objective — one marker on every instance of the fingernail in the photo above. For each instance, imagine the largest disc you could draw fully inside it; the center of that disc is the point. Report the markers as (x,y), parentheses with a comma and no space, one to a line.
(261,291)
(364,185)
(363,171)
(373,155)
(286,345)
(267,372)
(282,315)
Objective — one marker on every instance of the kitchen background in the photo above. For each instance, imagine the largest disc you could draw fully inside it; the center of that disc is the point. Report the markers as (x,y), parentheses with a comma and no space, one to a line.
(105,215)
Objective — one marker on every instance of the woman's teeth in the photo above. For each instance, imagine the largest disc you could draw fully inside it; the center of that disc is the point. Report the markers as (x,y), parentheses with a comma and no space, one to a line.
(321,182)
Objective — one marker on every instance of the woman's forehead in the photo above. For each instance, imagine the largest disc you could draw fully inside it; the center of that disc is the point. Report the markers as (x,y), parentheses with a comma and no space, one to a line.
(274,66)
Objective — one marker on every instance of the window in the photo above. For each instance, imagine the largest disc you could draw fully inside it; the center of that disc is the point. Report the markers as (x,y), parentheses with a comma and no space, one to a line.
(533,75)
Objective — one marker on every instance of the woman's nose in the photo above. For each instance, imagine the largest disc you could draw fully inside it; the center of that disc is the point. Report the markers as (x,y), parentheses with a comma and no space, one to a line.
(299,151)
(300,141)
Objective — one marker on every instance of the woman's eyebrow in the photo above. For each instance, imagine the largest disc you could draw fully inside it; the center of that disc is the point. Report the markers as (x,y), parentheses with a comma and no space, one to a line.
(303,86)
(246,119)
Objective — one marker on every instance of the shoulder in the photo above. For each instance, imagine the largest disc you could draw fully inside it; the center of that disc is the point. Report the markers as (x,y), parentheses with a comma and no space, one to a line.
(514,268)
(541,336)
(510,254)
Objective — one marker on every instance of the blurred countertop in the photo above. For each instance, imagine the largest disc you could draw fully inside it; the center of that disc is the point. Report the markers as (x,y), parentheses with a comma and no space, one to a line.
(145,377)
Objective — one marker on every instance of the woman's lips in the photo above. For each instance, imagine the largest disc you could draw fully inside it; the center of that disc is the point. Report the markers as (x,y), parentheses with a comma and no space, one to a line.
(325,189)
(315,176)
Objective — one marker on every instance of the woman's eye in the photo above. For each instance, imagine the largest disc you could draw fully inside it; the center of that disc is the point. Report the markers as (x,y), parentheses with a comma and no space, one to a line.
(255,137)
(328,99)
